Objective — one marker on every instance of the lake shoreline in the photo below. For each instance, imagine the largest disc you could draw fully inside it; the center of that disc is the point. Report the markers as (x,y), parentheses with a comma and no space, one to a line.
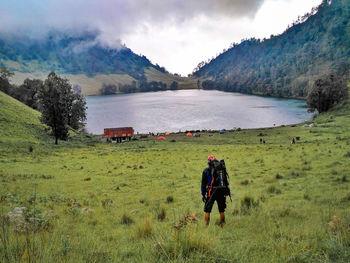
(253,94)
(185,110)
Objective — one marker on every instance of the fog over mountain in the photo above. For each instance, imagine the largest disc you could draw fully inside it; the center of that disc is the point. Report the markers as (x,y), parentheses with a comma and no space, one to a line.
(176,34)
(112,19)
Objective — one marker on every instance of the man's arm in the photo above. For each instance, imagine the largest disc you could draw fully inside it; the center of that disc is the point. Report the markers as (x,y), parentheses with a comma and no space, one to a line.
(204,182)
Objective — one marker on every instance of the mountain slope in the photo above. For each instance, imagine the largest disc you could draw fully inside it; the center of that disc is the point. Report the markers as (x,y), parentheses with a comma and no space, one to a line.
(65,54)
(82,59)
(19,123)
(286,65)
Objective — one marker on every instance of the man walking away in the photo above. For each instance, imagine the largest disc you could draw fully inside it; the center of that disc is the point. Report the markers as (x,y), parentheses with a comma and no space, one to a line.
(215,187)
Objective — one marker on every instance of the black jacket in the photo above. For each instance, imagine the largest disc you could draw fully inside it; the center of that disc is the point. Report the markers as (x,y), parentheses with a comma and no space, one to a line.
(207,179)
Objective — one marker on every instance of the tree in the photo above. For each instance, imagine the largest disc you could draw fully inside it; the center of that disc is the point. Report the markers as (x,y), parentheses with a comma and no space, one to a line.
(174,85)
(108,89)
(326,92)
(60,106)
(28,92)
(5,76)
(78,112)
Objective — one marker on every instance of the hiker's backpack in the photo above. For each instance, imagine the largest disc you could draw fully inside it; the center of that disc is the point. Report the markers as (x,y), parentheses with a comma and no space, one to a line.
(219,176)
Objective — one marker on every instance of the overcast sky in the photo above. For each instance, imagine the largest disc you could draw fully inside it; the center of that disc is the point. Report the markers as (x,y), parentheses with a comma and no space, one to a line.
(176,34)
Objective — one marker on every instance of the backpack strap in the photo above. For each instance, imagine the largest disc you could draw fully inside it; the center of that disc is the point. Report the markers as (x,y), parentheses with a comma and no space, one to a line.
(212,181)
(211,186)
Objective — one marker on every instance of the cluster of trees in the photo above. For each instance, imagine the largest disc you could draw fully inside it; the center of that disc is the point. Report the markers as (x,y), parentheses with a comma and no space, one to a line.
(128,88)
(288,64)
(62,108)
(144,86)
(174,85)
(152,86)
(326,92)
(108,89)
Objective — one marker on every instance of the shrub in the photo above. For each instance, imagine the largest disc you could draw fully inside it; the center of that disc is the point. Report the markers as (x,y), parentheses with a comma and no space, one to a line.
(273,190)
(169,199)
(346,198)
(66,245)
(248,203)
(294,174)
(335,250)
(342,179)
(182,246)
(245,182)
(278,176)
(161,214)
(327,92)
(98,256)
(126,220)
(106,203)
(307,196)
(108,89)
(146,229)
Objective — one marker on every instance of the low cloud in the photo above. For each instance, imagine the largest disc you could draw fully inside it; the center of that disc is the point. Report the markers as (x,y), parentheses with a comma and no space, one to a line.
(113,19)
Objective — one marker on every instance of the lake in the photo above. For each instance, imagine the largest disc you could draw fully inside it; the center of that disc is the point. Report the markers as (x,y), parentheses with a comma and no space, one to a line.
(183,110)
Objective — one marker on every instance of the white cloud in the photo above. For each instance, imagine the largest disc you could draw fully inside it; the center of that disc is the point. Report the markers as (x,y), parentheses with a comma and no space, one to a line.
(181,47)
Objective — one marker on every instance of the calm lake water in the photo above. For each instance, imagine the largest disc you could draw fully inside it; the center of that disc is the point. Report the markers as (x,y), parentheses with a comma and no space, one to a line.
(182,110)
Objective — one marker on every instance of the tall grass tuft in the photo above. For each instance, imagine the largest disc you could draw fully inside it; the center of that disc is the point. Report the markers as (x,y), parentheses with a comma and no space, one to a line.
(248,204)
(161,214)
(66,245)
(185,246)
(126,220)
(5,237)
(245,182)
(169,199)
(273,190)
(146,229)
(278,176)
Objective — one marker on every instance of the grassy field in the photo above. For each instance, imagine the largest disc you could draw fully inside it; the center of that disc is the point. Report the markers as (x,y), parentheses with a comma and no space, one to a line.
(88,201)
(92,85)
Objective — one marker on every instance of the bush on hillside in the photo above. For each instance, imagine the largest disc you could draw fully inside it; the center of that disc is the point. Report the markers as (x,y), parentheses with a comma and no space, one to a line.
(108,89)
(5,76)
(174,85)
(327,92)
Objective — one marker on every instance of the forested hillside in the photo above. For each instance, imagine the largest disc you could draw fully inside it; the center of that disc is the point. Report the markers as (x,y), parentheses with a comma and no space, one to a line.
(86,62)
(285,65)
(67,54)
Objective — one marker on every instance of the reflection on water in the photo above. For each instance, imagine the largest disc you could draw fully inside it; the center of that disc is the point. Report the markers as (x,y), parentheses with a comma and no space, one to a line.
(190,110)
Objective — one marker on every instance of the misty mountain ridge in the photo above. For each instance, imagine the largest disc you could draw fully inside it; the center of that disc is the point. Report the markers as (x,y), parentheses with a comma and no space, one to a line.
(87,62)
(288,64)
(285,65)
(69,54)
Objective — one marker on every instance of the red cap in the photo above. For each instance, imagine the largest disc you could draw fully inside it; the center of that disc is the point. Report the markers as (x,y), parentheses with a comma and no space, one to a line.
(211,157)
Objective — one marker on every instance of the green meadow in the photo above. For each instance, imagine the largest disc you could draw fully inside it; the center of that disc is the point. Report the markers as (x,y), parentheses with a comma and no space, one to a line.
(89,201)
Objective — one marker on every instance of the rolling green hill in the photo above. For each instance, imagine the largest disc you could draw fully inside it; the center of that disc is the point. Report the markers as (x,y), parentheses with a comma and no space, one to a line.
(286,65)
(19,124)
